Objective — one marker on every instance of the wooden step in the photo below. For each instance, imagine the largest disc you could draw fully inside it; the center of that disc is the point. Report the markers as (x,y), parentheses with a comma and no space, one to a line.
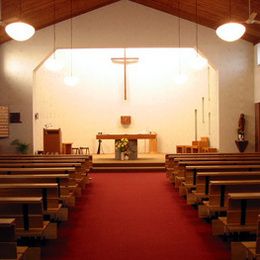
(129,169)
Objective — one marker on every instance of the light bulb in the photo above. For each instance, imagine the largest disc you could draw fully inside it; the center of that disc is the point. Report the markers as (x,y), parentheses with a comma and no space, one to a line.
(71,81)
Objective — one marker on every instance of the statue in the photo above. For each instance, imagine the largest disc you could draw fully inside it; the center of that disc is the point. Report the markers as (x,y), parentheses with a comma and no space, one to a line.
(241,127)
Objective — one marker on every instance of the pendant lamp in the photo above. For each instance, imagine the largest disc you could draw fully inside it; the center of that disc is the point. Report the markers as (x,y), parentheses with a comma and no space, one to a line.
(20,31)
(230,31)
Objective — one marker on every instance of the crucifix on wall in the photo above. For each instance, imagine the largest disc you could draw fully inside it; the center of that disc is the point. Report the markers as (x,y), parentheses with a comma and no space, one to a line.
(125,61)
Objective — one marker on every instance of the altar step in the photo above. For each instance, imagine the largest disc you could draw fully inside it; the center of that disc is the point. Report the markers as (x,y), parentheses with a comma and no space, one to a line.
(128,167)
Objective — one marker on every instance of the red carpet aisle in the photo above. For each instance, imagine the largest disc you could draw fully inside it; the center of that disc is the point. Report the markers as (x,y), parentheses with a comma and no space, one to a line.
(132,216)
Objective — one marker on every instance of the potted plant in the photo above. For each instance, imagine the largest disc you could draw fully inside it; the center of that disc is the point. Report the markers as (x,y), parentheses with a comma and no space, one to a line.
(20,147)
(122,146)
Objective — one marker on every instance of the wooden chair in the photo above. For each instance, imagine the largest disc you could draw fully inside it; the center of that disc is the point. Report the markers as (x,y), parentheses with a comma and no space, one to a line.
(75,150)
(187,148)
(195,147)
(204,142)
(84,150)
(180,148)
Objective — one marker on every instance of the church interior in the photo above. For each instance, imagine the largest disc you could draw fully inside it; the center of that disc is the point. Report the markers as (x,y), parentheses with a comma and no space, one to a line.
(130,129)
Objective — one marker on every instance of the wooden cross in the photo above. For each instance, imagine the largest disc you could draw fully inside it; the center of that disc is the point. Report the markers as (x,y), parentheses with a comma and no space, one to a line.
(124,60)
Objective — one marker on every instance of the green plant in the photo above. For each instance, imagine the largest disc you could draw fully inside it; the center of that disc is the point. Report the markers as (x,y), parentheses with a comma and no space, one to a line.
(122,144)
(20,147)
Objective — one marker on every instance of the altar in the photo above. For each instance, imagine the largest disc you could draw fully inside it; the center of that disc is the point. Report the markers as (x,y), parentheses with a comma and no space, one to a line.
(132,143)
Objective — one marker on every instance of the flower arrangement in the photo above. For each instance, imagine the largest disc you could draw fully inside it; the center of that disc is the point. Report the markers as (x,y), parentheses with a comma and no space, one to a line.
(122,144)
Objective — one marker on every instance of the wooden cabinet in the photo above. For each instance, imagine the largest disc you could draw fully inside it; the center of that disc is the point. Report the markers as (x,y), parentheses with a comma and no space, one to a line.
(52,140)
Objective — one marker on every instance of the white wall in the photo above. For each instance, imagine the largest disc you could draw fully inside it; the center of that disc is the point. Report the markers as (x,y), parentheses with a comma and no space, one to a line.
(127,24)
(154,101)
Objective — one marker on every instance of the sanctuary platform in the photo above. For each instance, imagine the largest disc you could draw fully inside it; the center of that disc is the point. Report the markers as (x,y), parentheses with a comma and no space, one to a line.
(145,162)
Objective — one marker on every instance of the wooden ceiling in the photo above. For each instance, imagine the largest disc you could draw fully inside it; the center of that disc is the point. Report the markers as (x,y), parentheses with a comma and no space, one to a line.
(211,13)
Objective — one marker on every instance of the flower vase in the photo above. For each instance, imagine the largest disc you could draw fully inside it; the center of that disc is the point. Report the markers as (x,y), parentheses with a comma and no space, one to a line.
(122,156)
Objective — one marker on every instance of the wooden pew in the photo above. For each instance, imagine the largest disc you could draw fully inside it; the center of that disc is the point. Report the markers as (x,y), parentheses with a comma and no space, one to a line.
(242,212)
(203,179)
(61,179)
(79,166)
(86,159)
(179,163)
(33,164)
(28,214)
(179,171)
(75,189)
(50,170)
(247,250)
(53,177)
(75,158)
(45,156)
(189,183)
(218,194)
(48,192)
(57,170)
(170,158)
(8,244)
(234,161)
(43,164)
(63,185)
(80,174)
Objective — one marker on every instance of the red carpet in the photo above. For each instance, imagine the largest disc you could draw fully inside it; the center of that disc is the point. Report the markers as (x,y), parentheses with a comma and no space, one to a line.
(132,216)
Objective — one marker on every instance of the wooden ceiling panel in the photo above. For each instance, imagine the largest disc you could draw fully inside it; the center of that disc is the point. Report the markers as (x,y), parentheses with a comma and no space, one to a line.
(211,13)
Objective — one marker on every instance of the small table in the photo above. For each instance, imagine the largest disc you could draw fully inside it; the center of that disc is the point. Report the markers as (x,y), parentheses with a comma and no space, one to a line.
(241,145)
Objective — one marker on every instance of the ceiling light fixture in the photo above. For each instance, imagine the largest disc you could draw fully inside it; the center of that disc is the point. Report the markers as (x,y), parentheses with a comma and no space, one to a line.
(71,80)
(19,31)
(53,64)
(181,78)
(230,31)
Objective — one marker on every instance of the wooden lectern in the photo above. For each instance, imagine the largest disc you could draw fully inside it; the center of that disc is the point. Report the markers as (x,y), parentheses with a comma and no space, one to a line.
(52,141)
